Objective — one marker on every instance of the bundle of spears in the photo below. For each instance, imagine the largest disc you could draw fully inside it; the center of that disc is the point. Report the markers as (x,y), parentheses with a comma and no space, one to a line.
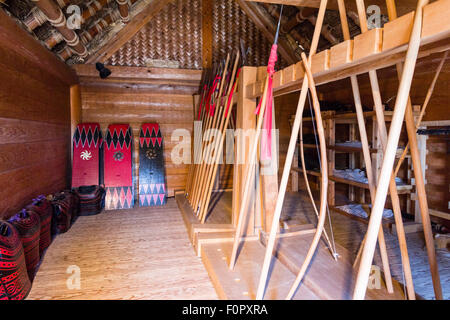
(214,114)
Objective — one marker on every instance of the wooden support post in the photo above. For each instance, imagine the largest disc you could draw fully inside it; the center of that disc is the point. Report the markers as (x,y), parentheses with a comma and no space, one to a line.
(269,179)
(245,119)
(248,187)
(419,174)
(366,152)
(390,150)
(423,204)
(351,160)
(207,33)
(331,154)
(75,112)
(294,173)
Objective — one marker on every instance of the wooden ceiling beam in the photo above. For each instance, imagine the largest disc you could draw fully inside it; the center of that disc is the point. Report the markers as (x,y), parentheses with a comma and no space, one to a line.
(16,41)
(266,25)
(207,33)
(403,7)
(126,33)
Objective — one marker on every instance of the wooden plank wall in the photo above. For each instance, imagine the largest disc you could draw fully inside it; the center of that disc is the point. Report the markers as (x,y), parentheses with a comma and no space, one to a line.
(437,175)
(136,95)
(34,119)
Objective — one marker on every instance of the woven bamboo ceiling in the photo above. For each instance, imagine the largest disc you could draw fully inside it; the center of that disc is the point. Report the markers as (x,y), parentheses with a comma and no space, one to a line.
(140,32)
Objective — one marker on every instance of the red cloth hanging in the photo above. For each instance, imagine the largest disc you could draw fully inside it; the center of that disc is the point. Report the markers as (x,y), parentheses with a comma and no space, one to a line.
(266,144)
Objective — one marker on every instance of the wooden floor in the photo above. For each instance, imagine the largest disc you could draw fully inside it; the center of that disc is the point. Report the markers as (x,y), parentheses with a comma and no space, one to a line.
(326,278)
(142,253)
(348,233)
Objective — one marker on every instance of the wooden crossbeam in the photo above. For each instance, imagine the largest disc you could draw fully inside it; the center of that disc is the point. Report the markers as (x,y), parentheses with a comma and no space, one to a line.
(137,23)
(404,7)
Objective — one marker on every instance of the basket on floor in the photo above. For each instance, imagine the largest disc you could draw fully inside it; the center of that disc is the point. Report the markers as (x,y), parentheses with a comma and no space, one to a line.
(65,210)
(92,199)
(14,282)
(27,224)
(44,209)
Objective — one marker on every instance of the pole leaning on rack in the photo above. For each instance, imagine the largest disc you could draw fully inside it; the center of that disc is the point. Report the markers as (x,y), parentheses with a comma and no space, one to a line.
(389,155)
(289,156)
(250,168)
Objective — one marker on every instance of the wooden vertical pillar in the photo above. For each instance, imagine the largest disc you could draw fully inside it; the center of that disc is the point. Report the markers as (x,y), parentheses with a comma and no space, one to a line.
(75,110)
(207,33)
(269,179)
(245,120)
(362,192)
(419,179)
(294,174)
(377,158)
(330,134)
(351,159)
(75,118)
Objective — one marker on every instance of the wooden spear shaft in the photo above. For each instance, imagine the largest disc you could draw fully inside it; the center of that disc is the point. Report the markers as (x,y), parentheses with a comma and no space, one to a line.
(205,123)
(324,180)
(191,167)
(218,148)
(389,155)
(209,134)
(205,126)
(288,161)
(249,177)
(198,142)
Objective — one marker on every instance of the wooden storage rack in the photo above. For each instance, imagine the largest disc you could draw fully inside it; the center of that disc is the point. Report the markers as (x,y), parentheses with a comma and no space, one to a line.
(331,119)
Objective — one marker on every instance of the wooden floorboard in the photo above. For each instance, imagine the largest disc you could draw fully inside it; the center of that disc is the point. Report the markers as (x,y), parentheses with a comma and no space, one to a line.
(242,282)
(325,278)
(141,253)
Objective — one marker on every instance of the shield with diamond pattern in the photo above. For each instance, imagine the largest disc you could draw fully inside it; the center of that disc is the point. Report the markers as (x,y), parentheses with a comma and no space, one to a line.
(87,153)
(118,160)
(152,185)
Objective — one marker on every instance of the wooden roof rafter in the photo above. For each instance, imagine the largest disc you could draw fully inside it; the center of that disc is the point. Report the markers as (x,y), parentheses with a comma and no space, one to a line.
(137,22)
(265,23)
(402,8)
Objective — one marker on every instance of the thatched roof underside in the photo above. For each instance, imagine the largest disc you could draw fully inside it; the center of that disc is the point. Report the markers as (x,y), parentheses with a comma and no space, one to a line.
(174,34)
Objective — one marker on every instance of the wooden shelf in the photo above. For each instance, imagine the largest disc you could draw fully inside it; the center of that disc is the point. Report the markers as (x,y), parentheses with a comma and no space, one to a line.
(348,149)
(308,146)
(438,42)
(402,188)
(350,117)
(310,172)
(385,222)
